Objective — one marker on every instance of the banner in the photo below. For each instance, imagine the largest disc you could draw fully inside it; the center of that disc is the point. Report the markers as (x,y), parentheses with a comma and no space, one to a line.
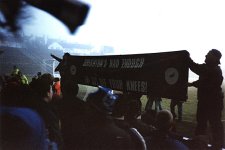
(158,74)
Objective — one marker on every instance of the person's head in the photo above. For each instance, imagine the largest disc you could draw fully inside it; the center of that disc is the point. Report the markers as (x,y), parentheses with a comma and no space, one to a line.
(66,56)
(164,120)
(213,57)
(47,77)
(15,94)
(22,129)
(149,116)
(43,87)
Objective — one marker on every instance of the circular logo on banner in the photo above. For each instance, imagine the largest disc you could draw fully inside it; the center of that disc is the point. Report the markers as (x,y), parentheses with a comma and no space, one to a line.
(171,75)
(73,70)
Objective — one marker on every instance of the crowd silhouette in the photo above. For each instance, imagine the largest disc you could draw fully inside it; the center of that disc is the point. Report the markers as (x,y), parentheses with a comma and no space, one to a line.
(49,110)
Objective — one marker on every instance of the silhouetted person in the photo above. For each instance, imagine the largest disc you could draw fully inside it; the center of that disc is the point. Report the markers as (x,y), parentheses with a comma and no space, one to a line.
(179,105)
(56,87)
(23,79)
(39,74)
(72,112)
(15,71)
(161,139)
(64,70)
(151,100)
(133,115)
(118,113)
(16,95)
(210,96)
(148,117)
(103,134)
(22,129)
(43,95)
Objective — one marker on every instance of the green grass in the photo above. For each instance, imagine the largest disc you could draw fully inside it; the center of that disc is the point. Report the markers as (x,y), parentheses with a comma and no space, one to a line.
(189,107)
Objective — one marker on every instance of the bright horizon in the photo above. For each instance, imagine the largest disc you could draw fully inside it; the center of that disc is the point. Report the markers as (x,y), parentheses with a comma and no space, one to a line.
(144,26)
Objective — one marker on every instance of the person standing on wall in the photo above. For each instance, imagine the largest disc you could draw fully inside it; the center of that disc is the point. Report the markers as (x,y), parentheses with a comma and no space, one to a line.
(210,96)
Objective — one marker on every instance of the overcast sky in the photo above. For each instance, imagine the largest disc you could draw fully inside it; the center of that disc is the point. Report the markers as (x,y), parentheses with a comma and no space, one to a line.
(144,26)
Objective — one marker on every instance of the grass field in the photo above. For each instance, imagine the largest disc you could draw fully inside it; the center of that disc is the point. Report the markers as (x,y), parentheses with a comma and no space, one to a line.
(189,107)
(187,126)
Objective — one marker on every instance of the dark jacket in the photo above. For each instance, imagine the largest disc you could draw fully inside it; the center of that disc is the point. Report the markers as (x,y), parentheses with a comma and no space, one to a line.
(162,141)
(73,125)
(103,134)
(209,84)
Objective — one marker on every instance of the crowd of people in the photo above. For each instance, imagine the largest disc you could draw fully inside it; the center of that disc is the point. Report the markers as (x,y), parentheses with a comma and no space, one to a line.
(43,115)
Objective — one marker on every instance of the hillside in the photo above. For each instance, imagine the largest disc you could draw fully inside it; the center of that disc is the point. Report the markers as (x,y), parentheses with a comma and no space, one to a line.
(14,56)
(29,61)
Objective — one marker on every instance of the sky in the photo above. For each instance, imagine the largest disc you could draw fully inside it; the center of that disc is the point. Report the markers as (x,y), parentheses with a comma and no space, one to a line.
(144,26)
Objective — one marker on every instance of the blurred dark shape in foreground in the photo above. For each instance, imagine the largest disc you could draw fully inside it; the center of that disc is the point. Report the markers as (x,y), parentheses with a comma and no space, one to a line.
(71,12)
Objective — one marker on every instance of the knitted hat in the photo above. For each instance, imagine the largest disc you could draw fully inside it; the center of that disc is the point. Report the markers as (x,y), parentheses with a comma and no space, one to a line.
(217,54)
